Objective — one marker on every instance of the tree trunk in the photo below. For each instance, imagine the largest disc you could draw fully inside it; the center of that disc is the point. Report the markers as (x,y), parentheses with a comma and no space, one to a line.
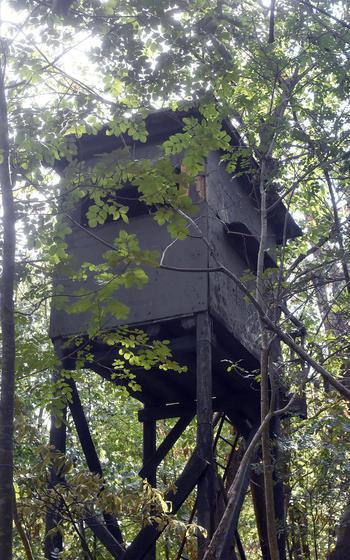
(8,334)
(337,325)
(258,498)
(265,374)
(342,547)
(300,549)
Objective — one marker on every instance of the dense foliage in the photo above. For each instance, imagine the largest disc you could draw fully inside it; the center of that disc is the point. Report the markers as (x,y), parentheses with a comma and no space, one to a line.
(280,72)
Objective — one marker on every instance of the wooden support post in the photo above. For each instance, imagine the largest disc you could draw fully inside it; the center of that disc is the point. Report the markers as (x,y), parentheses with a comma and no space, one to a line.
(278,491)
(226,553)
(149,450)
(258,498)
(240,547)
(151,465)
(104,536)
(53,545)
(144,541)
(89,450)
(206,485)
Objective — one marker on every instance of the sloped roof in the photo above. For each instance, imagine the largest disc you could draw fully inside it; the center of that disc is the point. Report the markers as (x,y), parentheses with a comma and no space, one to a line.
(161,125)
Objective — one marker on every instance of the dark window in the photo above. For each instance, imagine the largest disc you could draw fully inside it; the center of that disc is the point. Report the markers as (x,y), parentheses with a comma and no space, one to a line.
(246,245)
(127,196)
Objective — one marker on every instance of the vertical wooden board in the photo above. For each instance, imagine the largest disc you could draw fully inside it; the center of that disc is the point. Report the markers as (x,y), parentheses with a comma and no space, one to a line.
(150,448)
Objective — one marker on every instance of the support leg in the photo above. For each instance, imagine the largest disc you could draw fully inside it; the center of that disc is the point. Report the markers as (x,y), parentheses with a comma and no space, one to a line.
(205,489)
(149,450)
(258,497)
(185,484)
(240,547)
(54,545)
(165,446)
(89,450)
(234,517)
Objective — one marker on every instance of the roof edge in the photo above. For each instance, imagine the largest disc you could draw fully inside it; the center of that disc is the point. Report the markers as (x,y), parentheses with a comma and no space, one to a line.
(161,125)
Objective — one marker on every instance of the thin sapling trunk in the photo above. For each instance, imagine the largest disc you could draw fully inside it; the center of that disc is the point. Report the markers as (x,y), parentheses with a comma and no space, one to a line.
(7,386)
(264,374)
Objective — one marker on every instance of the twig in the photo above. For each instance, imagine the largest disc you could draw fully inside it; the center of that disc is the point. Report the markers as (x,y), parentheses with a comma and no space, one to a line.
(20,530)
(271,325)
(272,22)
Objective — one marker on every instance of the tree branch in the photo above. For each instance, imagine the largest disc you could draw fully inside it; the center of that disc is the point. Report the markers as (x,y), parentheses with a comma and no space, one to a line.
(271,325)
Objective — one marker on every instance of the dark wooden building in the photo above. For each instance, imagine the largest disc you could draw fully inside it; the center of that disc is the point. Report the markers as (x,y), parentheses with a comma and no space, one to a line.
(202,313)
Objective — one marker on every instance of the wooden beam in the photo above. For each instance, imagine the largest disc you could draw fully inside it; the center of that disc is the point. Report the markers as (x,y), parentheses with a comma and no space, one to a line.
(149,450)
(58,440)
(258,498)
(186,408)
(105,537)
(163,412)
(146,538)
(204,394)
(83,430)
(165,446)
(89,450)
(239,503)
(240,547)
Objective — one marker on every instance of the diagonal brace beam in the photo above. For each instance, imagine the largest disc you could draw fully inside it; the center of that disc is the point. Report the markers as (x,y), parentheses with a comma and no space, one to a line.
(105,537)
(165,446)
(89,451)
(146,538)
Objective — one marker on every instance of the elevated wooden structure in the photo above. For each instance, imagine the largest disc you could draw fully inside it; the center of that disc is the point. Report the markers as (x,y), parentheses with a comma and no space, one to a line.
(202,313)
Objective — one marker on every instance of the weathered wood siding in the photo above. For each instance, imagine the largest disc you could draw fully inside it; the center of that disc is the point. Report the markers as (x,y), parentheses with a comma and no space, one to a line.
(171,294)
(230,200)
(168,294)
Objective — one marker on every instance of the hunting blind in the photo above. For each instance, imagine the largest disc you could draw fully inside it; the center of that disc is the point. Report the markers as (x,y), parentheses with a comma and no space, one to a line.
(203,314)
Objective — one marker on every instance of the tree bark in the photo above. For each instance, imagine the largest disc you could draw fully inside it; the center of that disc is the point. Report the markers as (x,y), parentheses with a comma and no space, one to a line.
(341,551)
(265,374)
(8,333)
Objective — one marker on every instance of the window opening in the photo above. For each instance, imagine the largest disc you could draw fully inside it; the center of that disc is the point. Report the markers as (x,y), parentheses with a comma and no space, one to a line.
(246,245)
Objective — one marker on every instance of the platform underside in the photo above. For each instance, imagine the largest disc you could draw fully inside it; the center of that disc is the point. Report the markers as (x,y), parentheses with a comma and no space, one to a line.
(169,394)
